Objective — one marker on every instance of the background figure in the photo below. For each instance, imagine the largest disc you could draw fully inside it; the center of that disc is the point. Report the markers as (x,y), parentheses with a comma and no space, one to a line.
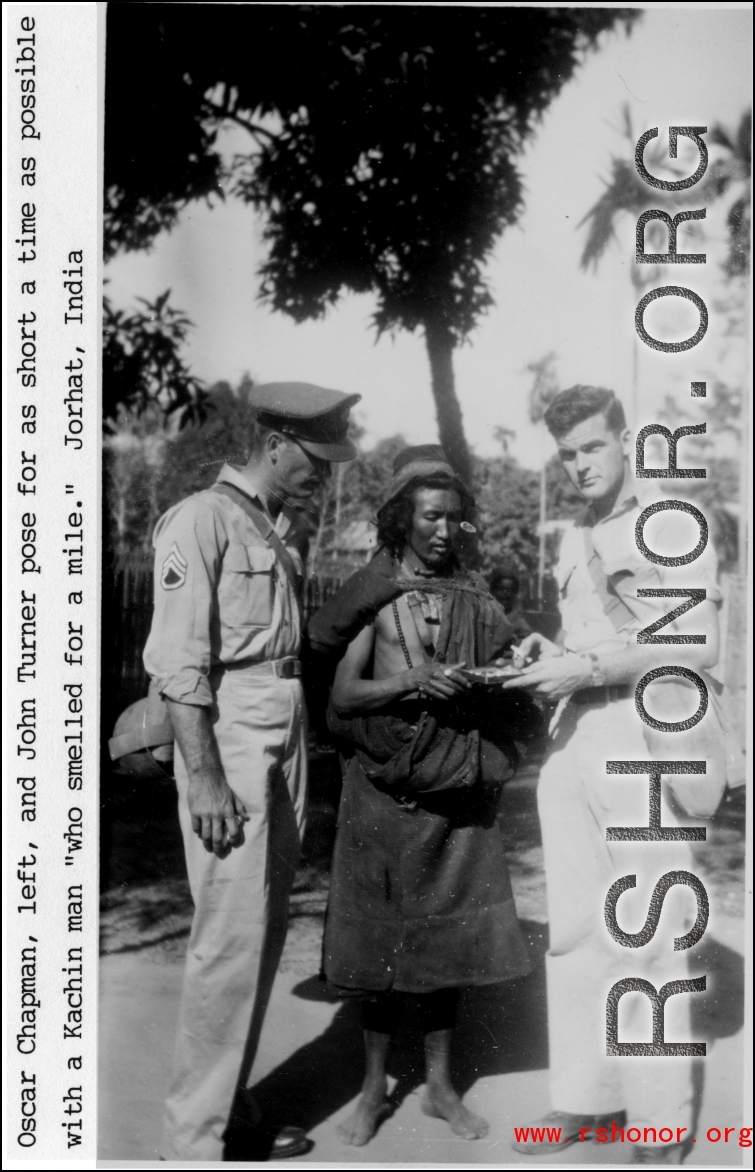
(420,899)
(504,586)
(223,652)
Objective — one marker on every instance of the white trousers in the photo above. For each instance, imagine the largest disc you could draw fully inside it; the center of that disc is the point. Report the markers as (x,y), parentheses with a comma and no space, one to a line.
(240,908)
(577,801)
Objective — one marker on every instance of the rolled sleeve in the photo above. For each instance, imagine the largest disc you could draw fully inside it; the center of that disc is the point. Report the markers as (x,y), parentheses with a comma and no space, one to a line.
(187,687)
(189,545)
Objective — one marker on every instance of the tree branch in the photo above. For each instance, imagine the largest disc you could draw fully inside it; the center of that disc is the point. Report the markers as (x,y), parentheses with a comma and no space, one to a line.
(222,112)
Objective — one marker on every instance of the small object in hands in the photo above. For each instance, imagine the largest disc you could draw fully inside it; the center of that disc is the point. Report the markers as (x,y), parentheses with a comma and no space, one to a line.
(465,525)
(519,660)
(490,675)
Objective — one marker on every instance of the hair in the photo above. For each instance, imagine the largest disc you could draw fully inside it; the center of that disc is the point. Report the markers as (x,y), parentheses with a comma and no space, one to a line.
(258,433)
(572,406)
(394,518)
(252,433)
(501,574)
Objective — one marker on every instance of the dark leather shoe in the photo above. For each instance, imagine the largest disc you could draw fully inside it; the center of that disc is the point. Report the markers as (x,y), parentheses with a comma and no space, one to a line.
(289,1142)
(557,1130)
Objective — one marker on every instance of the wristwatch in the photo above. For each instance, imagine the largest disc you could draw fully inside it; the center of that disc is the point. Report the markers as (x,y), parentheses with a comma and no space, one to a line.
(598,679)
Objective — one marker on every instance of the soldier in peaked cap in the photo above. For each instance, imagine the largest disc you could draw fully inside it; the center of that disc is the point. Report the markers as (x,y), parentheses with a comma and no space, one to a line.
(224,653)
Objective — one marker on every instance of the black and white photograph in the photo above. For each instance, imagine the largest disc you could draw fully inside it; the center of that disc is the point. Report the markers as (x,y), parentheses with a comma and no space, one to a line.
(370,377)
(422,439)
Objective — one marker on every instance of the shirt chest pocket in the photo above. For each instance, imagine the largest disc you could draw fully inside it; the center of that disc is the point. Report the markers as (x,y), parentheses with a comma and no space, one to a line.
(247,588)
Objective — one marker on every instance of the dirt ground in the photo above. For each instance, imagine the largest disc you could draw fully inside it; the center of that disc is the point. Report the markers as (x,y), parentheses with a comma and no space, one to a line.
(310,1062)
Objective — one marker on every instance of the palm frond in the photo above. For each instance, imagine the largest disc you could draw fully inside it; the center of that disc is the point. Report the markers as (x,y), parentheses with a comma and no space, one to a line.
(624,193)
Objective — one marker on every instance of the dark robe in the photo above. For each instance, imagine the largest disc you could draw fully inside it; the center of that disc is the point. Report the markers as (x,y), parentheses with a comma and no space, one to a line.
(420,897)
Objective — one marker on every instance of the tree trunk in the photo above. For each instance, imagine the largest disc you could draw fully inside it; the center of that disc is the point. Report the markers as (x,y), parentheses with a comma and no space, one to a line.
(440,348)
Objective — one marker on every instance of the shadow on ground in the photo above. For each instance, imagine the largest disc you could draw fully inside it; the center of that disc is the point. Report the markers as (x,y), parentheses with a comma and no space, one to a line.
(500,1029)
(719,1011)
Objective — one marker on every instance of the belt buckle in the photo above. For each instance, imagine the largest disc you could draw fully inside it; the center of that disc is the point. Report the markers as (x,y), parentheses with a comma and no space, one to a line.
(287,668)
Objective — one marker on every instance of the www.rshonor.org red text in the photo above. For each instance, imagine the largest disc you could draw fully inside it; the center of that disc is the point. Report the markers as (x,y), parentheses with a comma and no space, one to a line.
(634,1135)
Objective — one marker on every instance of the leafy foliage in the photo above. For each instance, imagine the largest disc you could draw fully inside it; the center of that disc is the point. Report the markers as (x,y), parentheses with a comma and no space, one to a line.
(728,178)
(141,362)
(384,145)
(133,451)
(718,493)
(384,136)
(625,192)
(149,468)
(732,174)
(544,386)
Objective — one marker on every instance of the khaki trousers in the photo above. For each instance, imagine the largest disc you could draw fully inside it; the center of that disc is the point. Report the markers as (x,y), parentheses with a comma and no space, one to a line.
(577,801)
(240,907)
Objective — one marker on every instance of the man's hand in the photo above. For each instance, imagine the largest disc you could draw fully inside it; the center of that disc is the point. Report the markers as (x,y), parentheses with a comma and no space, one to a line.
(441,683)
(535,646)
(555,675)
(217,815)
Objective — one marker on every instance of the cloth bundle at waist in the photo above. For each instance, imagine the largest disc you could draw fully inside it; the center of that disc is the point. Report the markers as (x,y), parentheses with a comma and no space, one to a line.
(425,747)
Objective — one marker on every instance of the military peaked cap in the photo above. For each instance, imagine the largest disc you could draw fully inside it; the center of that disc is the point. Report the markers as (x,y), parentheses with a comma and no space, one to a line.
(317,418)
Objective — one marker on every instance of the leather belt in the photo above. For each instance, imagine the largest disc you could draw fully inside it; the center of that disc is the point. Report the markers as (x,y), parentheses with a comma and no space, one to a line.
(288,668)
(606,695)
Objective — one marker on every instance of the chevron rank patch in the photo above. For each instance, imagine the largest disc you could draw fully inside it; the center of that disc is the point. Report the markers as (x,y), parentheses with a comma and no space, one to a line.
(174,569)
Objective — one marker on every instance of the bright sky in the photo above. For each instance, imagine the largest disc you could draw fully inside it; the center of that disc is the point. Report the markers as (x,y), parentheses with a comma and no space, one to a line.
(680,66)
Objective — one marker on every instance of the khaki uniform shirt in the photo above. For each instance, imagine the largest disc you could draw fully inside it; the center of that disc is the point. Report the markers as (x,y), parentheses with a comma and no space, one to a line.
(671,533)
(221,598)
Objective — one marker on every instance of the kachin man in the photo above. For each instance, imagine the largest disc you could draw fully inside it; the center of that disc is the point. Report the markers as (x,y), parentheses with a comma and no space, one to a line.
(420,899)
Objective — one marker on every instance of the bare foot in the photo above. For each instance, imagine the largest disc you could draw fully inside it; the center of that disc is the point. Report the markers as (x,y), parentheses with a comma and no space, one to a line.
(444,1103)
(362,1124)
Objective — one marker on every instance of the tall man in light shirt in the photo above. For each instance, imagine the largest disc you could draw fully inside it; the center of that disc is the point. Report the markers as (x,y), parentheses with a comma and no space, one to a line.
(593,669)
(223,652)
